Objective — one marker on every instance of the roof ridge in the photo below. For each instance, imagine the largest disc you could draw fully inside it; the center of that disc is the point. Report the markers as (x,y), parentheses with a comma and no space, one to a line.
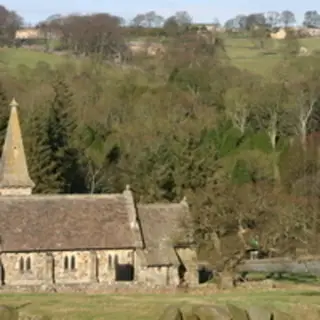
(64,196)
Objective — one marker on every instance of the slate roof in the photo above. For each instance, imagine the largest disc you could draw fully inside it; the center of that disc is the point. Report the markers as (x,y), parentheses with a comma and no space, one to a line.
(64,222)
(163,229)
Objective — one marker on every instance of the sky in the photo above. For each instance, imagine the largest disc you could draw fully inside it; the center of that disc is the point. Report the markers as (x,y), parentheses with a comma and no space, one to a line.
(202,11)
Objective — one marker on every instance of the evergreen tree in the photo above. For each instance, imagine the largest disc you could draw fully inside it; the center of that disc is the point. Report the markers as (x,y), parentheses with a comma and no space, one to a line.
(61,127)
(39,154)
(4,115)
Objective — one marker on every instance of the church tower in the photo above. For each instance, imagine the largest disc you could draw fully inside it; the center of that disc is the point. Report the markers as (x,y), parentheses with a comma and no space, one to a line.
(14,174)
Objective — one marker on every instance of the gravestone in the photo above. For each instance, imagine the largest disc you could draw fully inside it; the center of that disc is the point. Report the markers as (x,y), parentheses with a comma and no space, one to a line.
(280,315)
(258,313)
(8,313)
(238,313)
(211,313)
(171,313)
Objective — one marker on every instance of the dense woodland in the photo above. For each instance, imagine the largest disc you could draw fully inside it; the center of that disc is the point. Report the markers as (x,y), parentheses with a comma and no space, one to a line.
(241,147)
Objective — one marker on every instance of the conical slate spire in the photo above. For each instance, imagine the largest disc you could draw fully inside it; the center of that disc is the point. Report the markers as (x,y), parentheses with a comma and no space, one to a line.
(13,167)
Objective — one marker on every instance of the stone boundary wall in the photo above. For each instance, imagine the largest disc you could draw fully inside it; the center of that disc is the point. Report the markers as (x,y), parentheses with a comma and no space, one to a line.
(96,288)
(134,287)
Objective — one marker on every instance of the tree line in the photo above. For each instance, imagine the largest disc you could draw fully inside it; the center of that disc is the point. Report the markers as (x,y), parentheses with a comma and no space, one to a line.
(242,147)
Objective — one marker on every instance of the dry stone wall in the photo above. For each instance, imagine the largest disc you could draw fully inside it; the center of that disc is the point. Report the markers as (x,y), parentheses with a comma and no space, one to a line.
(228,312)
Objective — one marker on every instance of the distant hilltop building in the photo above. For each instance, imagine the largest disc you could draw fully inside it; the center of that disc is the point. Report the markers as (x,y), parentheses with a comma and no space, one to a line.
(83,239)
(36,34)
(279,35)
(29,33)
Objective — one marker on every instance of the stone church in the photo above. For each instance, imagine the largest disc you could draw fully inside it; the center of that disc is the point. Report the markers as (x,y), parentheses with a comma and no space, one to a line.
(81,239)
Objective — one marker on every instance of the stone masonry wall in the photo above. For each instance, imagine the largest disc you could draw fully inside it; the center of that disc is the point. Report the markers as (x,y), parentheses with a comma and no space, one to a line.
(81,267)
(64,267)
(19,273)
(158,276)
(188,257)
(15,191)
(154,275)
(106,270)
(66,271)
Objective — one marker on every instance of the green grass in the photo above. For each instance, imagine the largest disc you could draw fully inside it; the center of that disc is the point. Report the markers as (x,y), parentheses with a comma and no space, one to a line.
(244,55)
(241,51)
(286,278)
(11,57)
(149,307)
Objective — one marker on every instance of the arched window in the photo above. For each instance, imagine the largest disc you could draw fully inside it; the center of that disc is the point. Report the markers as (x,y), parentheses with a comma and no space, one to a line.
(109,261)
(116,260)
(66,263)
(73,263)
(28,264)
(21,264)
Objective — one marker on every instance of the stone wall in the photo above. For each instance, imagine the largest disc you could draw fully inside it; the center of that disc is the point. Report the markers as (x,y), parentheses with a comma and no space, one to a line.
(230,311)
(72,266)
(162,276)
(80,267)
(64,267)
(22,269)
(188,257)
(107,261)
(15,191)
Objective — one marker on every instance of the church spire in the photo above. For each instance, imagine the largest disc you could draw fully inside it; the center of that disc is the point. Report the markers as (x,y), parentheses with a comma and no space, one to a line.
(14,175)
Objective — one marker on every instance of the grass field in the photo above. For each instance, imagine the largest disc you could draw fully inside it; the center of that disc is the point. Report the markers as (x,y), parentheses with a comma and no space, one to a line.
(244,55)
(241,51)
(10,57)
(148,307)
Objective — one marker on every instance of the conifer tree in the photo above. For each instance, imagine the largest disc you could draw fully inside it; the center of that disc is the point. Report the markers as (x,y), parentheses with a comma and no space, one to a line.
(4,115)
(41,163)
(61,128)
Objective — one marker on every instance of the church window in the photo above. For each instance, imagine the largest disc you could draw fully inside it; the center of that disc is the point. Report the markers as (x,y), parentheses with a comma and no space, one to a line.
(24,264)
(116,261)
(66,263)
(21,264)
(73,263)
(109,261)
(28,264)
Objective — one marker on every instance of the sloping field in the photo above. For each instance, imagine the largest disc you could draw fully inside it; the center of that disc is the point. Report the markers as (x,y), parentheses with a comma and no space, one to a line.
(241,51)
(244,54)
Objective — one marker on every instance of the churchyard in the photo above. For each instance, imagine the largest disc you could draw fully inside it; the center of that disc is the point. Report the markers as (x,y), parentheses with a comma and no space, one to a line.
(301,300)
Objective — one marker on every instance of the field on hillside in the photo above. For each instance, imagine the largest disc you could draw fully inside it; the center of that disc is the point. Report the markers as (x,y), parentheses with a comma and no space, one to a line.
(244,55)
(241,51)
(304,302)
(11,57)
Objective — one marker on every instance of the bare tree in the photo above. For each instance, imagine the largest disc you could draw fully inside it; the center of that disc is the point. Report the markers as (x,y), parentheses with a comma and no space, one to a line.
(271,113)
(288,18)
(273,18)
(183,18)
(10,22)
(239,100)
(90,34)
(305,93)
(147,20)
(311,19)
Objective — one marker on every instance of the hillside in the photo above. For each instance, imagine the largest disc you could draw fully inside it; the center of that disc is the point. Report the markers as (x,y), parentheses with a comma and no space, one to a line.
(10,57)
(184,125)
(241,51)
